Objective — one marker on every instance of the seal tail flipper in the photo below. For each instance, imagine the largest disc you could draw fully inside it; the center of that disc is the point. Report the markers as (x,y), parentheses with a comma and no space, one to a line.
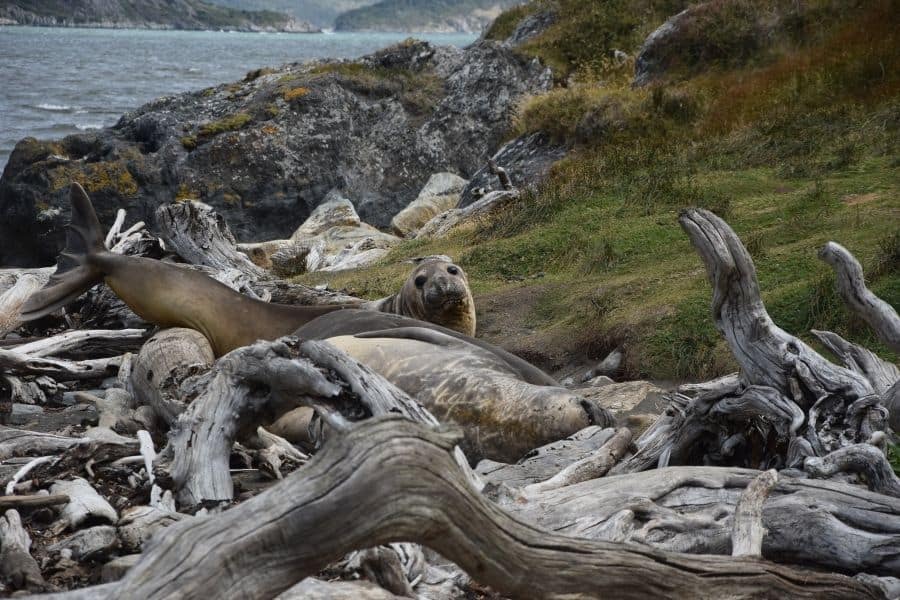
(74,271)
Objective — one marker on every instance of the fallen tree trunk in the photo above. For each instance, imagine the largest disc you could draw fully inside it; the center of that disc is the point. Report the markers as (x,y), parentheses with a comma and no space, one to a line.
(165,362)
(390,480)
(61,370)
(822,524)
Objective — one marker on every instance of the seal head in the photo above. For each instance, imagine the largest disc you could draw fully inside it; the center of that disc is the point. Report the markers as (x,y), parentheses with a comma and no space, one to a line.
(437,291)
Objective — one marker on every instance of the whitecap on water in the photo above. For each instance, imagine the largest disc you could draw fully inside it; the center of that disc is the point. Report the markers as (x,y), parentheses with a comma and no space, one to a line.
(54,107)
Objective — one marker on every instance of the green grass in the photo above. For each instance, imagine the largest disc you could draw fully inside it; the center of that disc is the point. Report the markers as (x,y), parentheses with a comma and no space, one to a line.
(894,457)
(229,123)
(418,91)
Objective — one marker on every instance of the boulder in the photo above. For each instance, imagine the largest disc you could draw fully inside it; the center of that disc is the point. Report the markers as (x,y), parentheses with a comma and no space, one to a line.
(336,211)
(530,27)
(442,224)
(527,161)
(440,194)
(266,151)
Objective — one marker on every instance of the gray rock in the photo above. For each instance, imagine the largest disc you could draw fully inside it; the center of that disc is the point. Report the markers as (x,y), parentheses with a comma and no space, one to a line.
(527,161)
(683,45)
(440,194)
(530,27)
(265,152)
(88,544)
(115,569)
(608,367)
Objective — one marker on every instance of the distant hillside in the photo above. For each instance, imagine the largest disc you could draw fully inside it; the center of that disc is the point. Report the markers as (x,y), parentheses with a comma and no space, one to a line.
(423,15)
(145,14)
(320,13)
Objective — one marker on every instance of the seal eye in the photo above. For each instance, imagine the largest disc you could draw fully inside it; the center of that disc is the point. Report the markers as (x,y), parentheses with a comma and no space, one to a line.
(453,270)
(420,280)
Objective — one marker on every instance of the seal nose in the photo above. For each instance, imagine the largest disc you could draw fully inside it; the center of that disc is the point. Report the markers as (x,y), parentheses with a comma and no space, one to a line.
(442,290)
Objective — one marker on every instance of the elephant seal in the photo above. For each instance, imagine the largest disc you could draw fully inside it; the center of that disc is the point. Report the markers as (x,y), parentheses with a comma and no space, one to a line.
(505,405)
(436,291)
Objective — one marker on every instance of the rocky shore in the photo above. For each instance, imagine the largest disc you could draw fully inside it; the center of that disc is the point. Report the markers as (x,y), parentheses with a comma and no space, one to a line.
(267,150)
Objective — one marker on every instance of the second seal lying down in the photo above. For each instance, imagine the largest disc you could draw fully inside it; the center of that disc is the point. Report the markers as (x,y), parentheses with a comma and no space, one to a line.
(505,405)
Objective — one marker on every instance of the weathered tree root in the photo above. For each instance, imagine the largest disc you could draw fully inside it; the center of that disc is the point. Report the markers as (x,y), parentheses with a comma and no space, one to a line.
(863,459)
(788,403)
(389,480)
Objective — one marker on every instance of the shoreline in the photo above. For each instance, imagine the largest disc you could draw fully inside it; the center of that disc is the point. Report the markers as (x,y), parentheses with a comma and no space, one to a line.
(156,27)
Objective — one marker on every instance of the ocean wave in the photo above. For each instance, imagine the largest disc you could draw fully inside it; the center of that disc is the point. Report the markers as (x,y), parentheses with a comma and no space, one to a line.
(54,107)
(88,126)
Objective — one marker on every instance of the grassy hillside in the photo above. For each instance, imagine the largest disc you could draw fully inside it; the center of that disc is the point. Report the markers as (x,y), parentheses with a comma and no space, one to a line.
(794,142)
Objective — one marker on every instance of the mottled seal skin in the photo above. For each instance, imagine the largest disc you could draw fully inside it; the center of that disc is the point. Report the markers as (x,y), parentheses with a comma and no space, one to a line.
(436,291)
(502,416)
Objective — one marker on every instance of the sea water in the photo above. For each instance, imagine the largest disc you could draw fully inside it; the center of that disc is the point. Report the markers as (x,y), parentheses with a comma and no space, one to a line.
(58,81)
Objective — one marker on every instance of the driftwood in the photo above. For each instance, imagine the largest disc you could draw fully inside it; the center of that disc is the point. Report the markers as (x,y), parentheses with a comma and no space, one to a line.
(164,363)
(84,503)
(11,301)
(390,480)
(748,531)
(788,402)
(34,501)
(259,383)
(19,442)
(201,237)
(851,285)
(85,343)
(16,563)
(864,459)
(60,370)
(593,466)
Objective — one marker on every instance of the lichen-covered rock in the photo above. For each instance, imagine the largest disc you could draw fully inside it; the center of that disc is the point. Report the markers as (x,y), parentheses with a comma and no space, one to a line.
(440,194)
(264,152)
(527,161)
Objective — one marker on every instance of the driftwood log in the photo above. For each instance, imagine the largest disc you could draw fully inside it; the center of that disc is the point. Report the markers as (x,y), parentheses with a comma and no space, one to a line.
(389,480)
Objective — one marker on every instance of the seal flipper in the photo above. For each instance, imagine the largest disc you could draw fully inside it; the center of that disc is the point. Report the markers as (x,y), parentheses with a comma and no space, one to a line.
(74,272)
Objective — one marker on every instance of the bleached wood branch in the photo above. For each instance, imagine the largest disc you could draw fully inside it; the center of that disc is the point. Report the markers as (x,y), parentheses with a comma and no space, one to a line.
(747,536)
(851,286)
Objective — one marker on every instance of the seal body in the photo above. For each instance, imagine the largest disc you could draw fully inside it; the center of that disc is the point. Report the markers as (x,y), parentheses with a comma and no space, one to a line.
(502,416)
(436,291)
